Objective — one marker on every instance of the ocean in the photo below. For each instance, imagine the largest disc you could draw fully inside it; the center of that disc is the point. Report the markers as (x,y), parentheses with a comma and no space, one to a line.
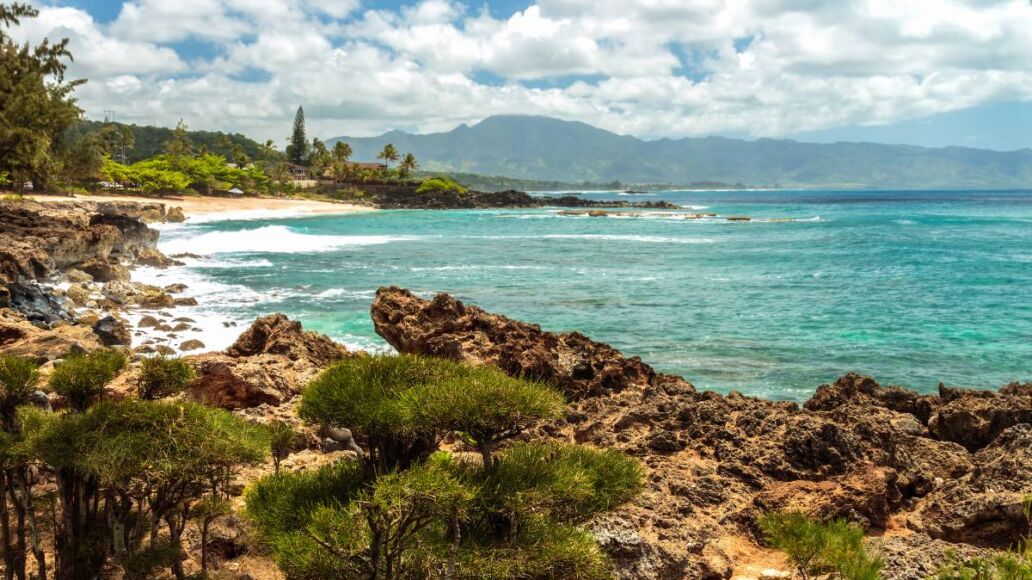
(911,287)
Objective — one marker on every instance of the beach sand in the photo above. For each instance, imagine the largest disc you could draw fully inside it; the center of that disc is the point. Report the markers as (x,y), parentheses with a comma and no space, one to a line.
(210,208)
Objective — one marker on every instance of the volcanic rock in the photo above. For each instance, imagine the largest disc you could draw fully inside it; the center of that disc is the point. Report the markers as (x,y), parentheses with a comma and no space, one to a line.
(112,332)
(268,364)
(446,328)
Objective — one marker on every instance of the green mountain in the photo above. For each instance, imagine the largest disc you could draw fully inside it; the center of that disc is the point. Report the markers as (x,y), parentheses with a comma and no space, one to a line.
(149,141)
(543,148)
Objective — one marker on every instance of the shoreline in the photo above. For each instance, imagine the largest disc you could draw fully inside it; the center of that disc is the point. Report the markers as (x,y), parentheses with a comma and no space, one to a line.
(200,209)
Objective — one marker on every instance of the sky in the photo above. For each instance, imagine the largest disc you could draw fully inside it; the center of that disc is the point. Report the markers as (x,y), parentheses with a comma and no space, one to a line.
(926,72)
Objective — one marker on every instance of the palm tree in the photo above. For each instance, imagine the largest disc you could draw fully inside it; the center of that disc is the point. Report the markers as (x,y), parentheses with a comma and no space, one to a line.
(341,152)
(408,165)
(388,154)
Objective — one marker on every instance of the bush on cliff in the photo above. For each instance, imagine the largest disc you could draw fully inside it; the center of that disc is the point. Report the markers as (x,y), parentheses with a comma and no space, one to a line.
(402,405)
(163,376)
(18,376)
(81,378)
(406,511)
(817,548)
(440,185)
(127,468)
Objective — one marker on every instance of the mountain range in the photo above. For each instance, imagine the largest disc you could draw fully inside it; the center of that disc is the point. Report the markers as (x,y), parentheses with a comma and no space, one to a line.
(543,148)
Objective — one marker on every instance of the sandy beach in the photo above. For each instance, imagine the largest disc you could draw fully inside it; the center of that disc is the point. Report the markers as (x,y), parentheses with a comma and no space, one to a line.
(208,208)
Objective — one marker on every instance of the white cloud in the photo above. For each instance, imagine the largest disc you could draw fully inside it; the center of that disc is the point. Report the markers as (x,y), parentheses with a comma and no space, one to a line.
(648,67)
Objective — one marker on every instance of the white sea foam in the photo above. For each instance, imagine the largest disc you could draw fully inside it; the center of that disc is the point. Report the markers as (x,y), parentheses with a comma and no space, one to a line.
(629,238)
(268,239)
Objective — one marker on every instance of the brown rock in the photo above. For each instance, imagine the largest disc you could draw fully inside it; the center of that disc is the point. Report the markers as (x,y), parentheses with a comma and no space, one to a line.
(148,321)
(270,363)
(102,270)
(152,257)
(19,337)
(192,344)
(176,288)
(185,301)
(175,215)
(278,335)
(446,328)
(975,418)
(112,332)
(867,495)
(984,507)
(78,294)
(78,276)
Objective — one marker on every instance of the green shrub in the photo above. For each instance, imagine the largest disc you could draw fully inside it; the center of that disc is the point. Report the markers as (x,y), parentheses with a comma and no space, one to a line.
(402,404)
(365,395)
(482,404)
(817,548)
(81,378)
(162,376)
(18,376)
(440,185)
(12,197)
(283,440)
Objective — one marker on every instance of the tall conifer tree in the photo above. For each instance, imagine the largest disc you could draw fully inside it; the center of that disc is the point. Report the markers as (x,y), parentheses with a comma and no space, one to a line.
(297,151)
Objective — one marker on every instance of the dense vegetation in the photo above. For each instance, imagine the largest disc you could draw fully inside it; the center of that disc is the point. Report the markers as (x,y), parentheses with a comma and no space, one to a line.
(130,475)
(144,142)
(406,509)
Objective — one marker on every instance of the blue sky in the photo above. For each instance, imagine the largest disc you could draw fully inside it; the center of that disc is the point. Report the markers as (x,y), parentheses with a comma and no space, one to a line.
(924,72)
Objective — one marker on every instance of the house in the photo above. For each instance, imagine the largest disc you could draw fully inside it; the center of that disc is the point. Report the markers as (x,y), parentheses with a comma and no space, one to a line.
(299,172)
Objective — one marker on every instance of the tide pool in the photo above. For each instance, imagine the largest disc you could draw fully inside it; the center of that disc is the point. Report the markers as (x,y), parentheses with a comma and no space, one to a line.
(913,288)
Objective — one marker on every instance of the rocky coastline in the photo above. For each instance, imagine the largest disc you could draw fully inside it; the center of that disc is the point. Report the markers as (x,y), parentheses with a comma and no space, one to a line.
(406,197)
(925,475)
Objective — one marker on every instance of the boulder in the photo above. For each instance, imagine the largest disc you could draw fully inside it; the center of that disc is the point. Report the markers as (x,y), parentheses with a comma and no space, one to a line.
(78,294)
(112,332)
(152,257)
(187,301)
(176,288)
(19,337)
(105,270)
(175,215)
(270,363)
(192,344)
(77,276)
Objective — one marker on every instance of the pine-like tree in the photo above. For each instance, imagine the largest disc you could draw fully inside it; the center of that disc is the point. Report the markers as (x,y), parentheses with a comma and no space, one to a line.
(297,151)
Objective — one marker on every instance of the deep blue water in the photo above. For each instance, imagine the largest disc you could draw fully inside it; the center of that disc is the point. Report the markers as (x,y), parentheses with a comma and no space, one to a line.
(911,287)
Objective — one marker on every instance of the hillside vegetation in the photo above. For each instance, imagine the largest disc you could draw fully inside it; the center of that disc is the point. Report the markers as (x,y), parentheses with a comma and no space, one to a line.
(542,148)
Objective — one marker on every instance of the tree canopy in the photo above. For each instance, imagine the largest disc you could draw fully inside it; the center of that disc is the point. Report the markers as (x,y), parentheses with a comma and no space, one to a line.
(36,104)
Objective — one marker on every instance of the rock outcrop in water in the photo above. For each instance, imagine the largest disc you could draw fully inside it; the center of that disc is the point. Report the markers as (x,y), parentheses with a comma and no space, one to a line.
(925,474)
(406,197)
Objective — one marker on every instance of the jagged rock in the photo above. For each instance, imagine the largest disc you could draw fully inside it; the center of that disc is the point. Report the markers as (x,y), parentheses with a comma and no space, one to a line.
(38,305)
(985,506)
(112,332)
(913,556)
(269,363)
(40,239)
(866,495)
(78,295)
(444,327)
(176,288)
(105,270)
(278,335)
(77,276)
(20,337)
(975,418)
(152,257)
(188,301)
(193,344)
(126,293)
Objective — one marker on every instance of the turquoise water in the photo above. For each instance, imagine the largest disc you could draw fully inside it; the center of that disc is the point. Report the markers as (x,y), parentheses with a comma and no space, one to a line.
(911,287)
